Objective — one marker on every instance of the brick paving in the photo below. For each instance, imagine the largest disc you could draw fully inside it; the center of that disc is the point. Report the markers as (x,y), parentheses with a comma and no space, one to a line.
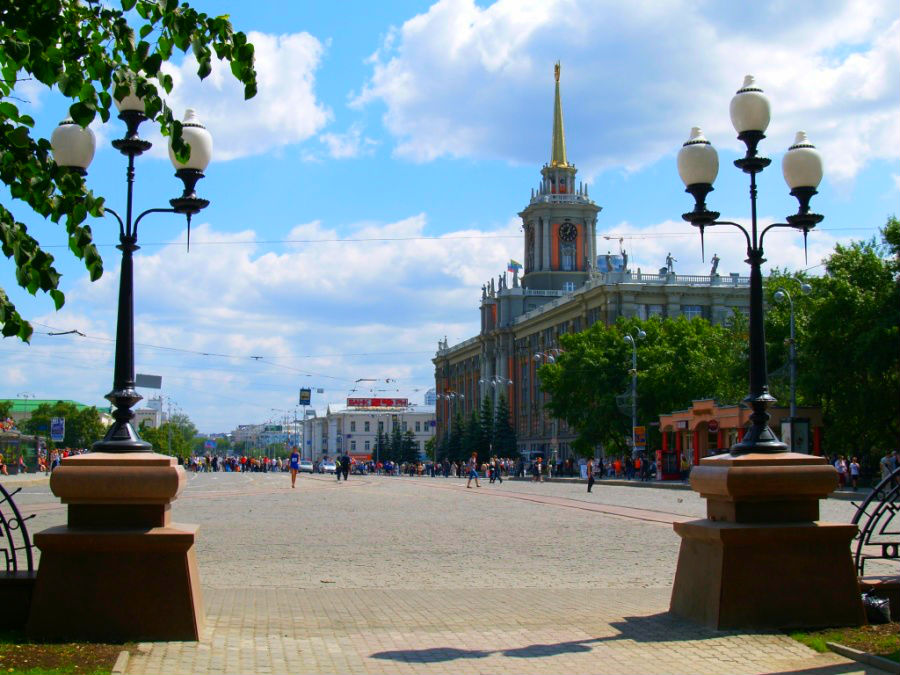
(387,575)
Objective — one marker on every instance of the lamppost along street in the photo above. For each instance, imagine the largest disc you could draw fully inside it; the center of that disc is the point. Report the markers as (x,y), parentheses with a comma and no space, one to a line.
(762,556)
(550,356)
(780,295)
(632,340)
(73,147)
(698,166)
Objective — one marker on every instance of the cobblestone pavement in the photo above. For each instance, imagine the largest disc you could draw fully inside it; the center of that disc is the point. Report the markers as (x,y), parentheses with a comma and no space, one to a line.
(422,575)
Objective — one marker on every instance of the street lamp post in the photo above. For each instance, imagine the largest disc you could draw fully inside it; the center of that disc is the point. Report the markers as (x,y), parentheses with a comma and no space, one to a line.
(698,166)
(632,340)
(73,147)
(762,556)
(119,495)
(780,295)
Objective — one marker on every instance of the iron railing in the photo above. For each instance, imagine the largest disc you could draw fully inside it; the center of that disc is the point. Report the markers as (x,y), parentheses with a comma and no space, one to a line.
(878,537)
(13,530)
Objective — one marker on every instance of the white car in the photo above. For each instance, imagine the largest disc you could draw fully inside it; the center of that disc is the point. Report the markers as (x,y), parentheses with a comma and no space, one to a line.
(328,467)
(306,466)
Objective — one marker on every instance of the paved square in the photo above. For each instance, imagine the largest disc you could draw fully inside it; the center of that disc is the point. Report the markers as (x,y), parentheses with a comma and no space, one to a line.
(424,576)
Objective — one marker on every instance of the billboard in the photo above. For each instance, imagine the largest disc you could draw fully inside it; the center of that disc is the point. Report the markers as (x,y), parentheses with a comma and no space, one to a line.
(640,438)
(57,429)
(305,396)
(377,402)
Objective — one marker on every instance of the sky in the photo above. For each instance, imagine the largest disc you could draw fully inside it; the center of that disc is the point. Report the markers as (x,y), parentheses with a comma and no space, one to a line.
(359,202)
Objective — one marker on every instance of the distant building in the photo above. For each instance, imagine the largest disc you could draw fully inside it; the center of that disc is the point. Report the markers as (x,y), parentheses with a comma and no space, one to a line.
(22,408)
(566,288)
(353,428)
(431,397)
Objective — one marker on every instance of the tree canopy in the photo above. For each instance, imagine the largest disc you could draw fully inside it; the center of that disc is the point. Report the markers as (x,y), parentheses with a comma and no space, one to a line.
(88,52)
(83,427)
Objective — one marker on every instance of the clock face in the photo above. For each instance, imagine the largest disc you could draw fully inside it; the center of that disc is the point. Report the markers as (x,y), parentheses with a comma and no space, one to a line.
(568,232)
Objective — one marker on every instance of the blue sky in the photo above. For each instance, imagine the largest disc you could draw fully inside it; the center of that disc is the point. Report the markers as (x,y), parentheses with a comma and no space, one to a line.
(360,201)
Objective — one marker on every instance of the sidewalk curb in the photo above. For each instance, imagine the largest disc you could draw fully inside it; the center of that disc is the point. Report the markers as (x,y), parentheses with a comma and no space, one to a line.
(864,657)
(121,663)
(24,482)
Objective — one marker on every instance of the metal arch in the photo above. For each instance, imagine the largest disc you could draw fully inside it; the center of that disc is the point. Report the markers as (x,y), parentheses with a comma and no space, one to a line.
(878,529)
(12,526)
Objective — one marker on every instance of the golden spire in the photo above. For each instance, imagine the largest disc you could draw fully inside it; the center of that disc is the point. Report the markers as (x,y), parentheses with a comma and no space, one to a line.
(558,153)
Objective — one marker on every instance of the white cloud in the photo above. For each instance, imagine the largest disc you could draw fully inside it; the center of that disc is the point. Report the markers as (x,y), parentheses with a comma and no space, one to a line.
(382,290)
(462,80)
(348,145)
(285,110)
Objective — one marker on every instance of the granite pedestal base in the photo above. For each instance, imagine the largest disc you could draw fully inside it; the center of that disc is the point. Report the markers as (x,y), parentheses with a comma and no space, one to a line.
(762,559)
(120,570)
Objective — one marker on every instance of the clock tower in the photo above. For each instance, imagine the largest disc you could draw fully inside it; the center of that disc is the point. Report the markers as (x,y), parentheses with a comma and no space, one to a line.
(560,221)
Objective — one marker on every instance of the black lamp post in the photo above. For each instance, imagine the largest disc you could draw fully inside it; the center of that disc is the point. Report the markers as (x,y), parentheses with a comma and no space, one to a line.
(698,165)
(73,147)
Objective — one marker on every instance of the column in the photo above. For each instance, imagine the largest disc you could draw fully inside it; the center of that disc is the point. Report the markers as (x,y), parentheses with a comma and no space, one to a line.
(697,446)
(546,245)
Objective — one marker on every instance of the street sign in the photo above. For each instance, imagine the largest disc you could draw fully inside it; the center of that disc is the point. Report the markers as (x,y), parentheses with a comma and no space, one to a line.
(713,426)
(148,381)
(57,429)
(305,396)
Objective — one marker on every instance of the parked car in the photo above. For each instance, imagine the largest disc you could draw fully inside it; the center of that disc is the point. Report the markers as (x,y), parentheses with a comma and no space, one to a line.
(328,466)
(306,466)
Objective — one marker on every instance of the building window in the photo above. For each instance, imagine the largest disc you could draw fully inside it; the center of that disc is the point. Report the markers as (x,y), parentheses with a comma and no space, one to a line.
(654,310)
(368,445)
(352,426)
(567,257)
(404,426)
(569,286)
(381,427)
(352,446)
(418,426)
(692,311)
(366,426)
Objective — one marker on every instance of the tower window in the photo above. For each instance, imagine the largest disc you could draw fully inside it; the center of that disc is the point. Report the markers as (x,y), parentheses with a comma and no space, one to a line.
(567,251)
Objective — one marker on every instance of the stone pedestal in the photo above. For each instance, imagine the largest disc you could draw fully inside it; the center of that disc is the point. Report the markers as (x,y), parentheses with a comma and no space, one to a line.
(120,570)
(762,559)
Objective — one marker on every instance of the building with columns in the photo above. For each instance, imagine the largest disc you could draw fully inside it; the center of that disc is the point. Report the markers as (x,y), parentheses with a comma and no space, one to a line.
(566,287)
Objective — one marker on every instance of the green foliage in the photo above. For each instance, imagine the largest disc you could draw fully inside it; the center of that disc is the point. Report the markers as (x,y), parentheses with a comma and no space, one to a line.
(396,445)
(83,427)
(471,436)
(680,360)
(89,52)
(505,444)
(486,437)
(176,437)
(850,347)
(409,448)
(430,448)
(5,409)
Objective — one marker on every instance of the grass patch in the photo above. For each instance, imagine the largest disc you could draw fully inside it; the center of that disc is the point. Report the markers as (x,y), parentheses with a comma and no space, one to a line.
(882,640)
(20,656)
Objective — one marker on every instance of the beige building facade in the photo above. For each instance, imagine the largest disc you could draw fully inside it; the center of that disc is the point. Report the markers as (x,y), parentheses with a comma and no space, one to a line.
(566,288)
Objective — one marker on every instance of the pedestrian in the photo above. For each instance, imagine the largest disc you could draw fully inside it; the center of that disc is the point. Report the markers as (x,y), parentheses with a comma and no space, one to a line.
(854,472)
(337,468)
(590,474)
(295,467)
(345,466)
(473,471)
(841,467)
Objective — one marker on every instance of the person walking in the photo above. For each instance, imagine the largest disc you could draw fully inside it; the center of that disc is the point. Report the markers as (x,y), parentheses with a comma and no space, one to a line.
(295,467)
(854,472)
(473,470)
(337,468)
(590,474)
(345,466)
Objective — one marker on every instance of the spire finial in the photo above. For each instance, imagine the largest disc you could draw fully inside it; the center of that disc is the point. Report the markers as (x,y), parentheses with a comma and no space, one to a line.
(558,151)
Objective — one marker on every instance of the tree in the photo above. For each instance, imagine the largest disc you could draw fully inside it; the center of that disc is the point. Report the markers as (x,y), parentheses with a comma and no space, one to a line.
(431,448)
(175,437)
(851,346)
(409,449)
(455,448)
(381,446)
(83,426)
(5,409)
(471,435)
(486,436)
(505,444)
(89,52)
(679,360)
